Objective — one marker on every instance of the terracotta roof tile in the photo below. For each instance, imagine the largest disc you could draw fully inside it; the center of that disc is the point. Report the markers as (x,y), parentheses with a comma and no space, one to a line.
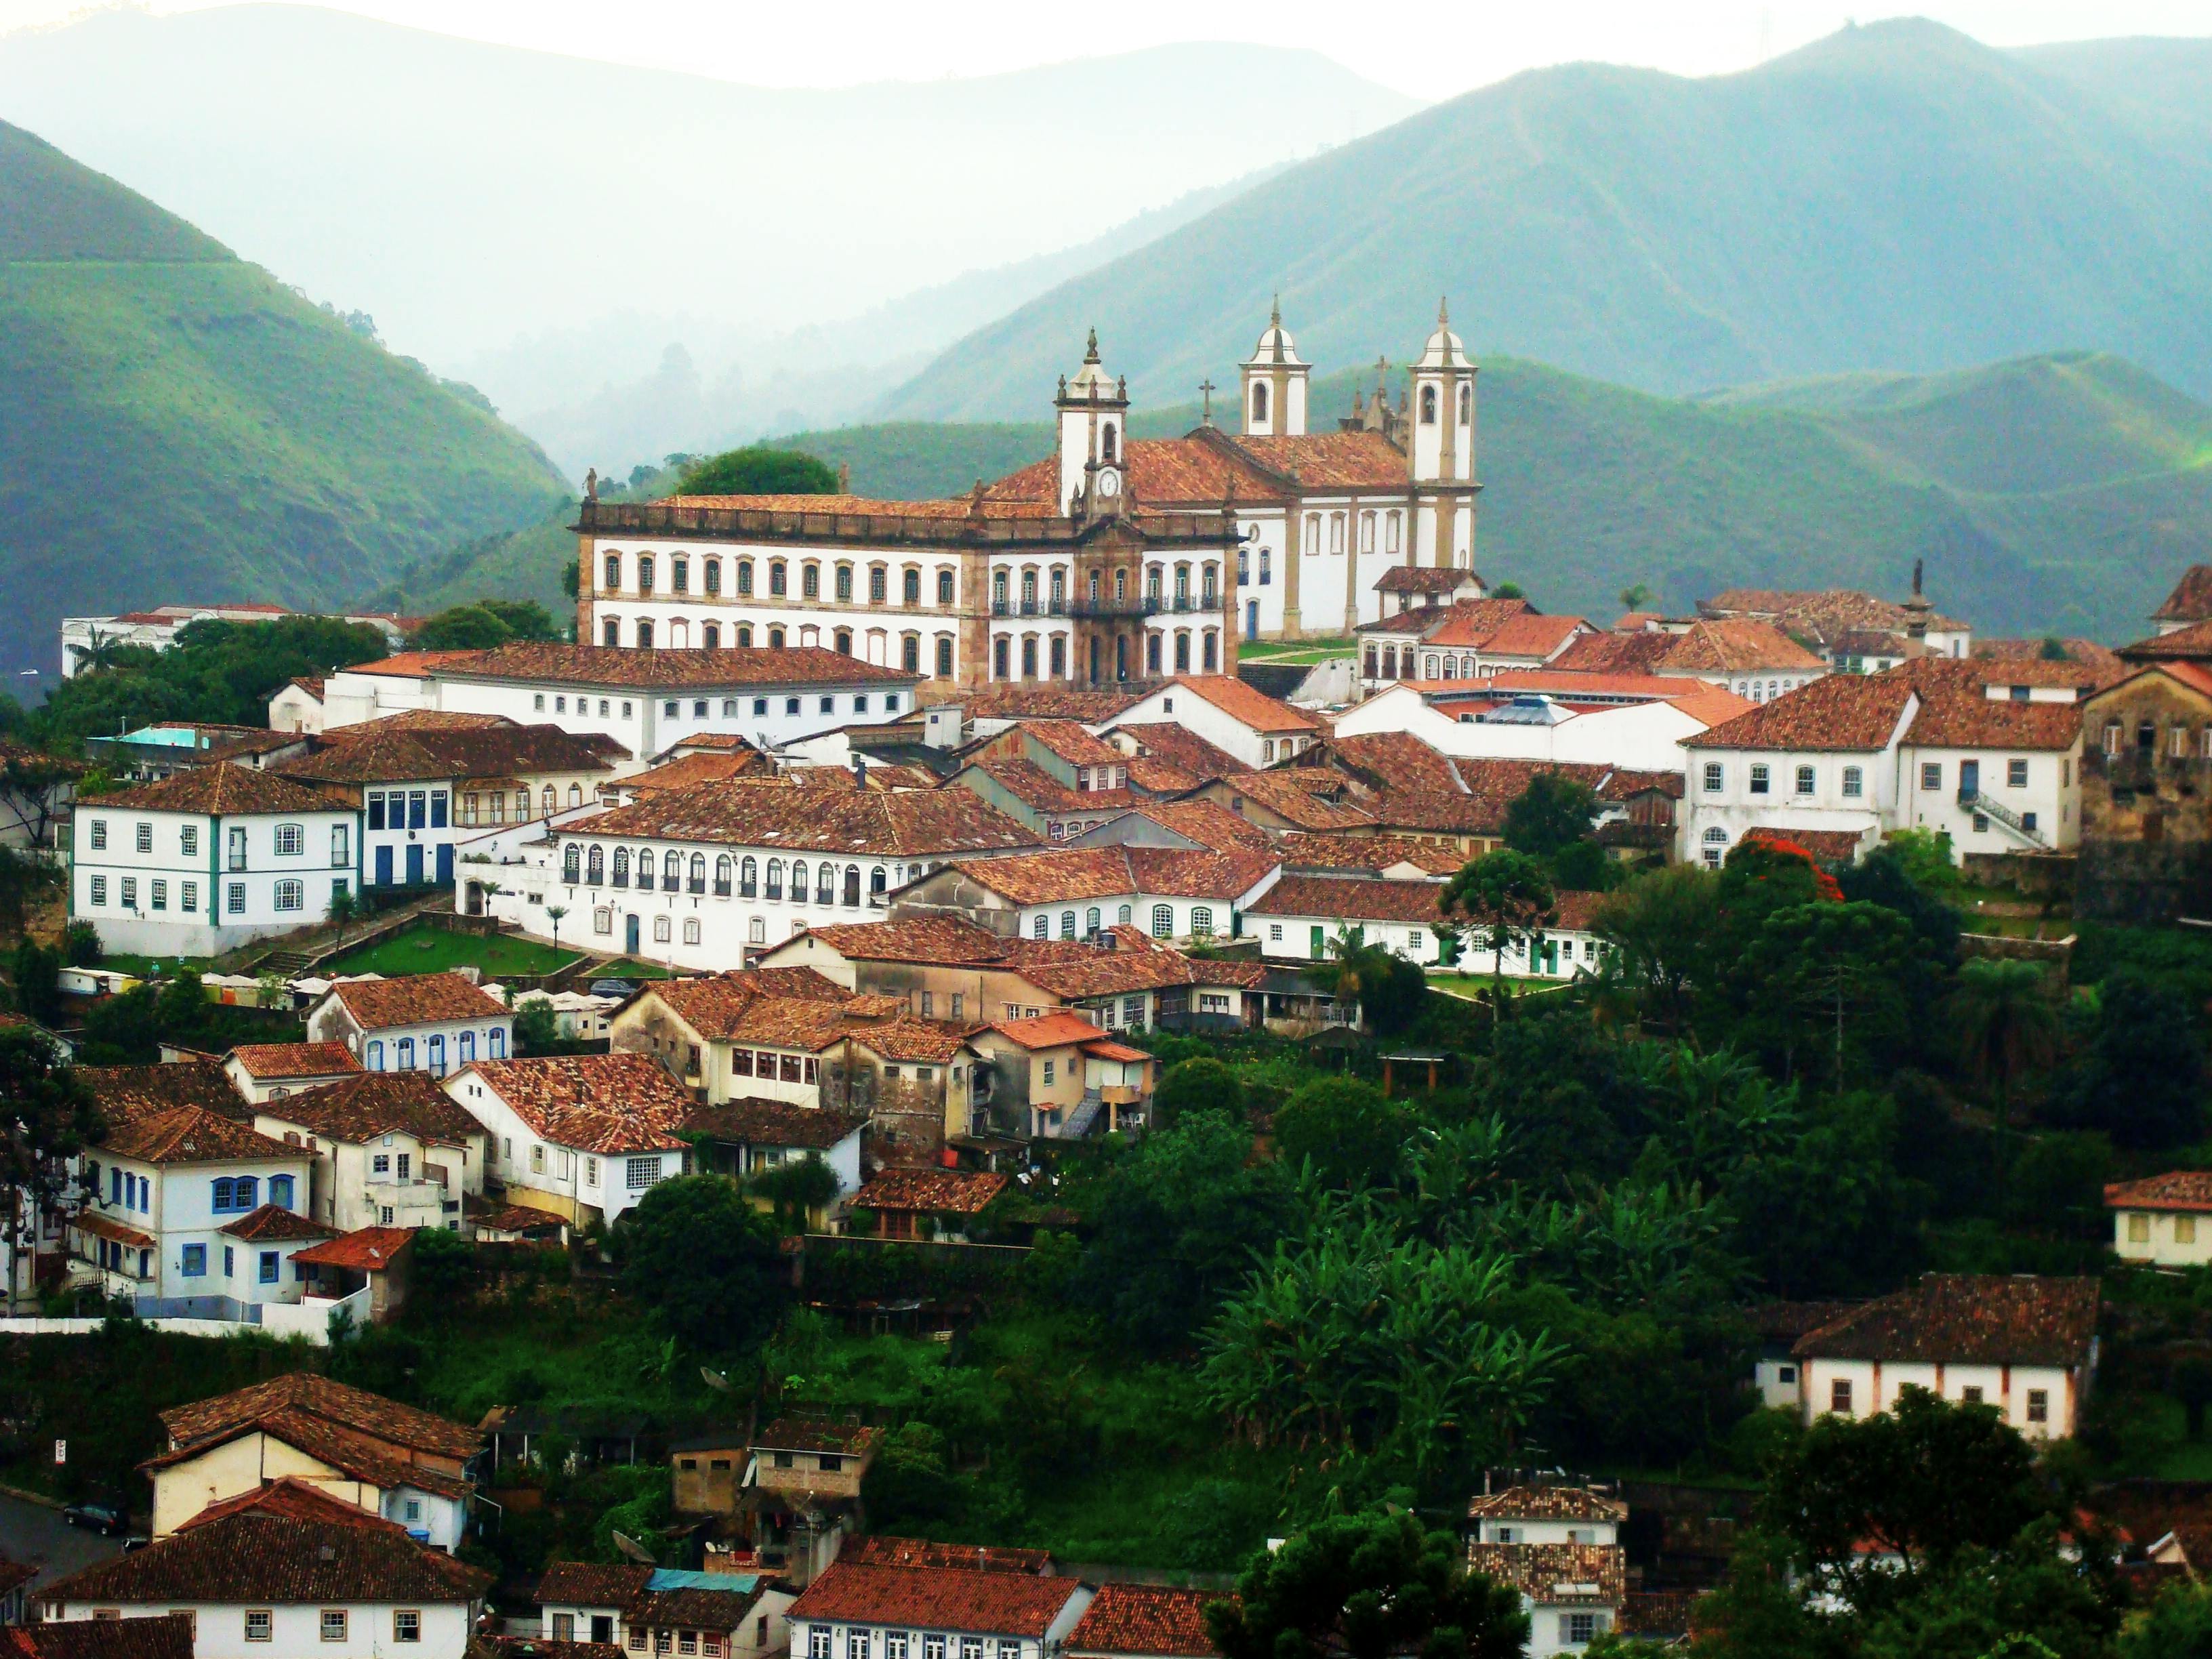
(1053,1030)
(945,940)
(100,1226)
(1209,824)
(928,1042)
(1166,473)
(671,670)
(726,1006)
(2191,598)
(1967,1319)
(2182,1191)
(602,1104)
(1854,712)
(1072,742)
(1046,699)
(1556,1575)
(370,1249)
(743,813)
(1548,1503)
(1037,789)
(134,1091)
(1076,874)
(301,1500)
(359,1108)
(1146,1621)
(1179,749)
(220,790)
(257,1557)
(1615,653)
(410,664)
(1355,900)
(688,772)
(163,1636)
(1288,795)
(1367,852)
(814,1434)
(773,1123)
(1422,579)
(936,1598)
(1325,460)
(883,1550)
(1392,760)
(940,1192)
(272,1223)
(590,1584)
(1461,623)
(377,1005)
(1735,645)
(501,751)
(1819,615)
(1968,719)
(192,1134)
(337,1403)
(278,1062)
(1247,705)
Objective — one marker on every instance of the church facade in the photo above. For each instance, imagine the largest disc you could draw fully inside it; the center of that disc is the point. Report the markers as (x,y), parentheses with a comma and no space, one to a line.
(1111,561)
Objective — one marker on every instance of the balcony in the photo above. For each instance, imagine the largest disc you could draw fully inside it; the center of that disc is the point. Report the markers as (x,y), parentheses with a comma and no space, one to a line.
(1143,606)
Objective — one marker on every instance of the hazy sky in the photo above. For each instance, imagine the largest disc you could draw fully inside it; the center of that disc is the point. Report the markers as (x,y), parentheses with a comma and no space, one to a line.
(1430,50)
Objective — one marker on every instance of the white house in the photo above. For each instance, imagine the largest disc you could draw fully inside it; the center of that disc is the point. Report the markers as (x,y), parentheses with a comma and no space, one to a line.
(270,1071)
(2155,1219)
(1302,916)
(1546,1514)
(284,1570)
(188,1212)
(855,1609)
(2024,1344)
(1466,639)
(1636,721)
(1997,776)
(207,859)
(391,1149)
(710,877)
(428,1022)
(1170,893)
(1223,711)
(1571,1592)
(763,1134)
(659,1610)
(583,1136)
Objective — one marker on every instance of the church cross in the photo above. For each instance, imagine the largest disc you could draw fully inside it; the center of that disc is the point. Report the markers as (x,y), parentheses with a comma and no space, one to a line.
(1207,389)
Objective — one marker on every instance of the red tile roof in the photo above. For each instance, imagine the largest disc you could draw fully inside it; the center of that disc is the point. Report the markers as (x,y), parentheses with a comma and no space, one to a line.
(1854,712)
(359,1108)
(192,1134)
(590,1584)
(371,1249)
(2191,598)
(498,751)
(272,1223)
(671,670)
(130,1091)
(223,790)
(301,1500)
(255,1556)
(1146,1621)
(602,1104)
(935,1598)
(1546,1504)
(100,1226)
(1247,705)
(741,813)
(162,1636)
(1076,874)
(1367,852)
(1352,899)
(410,664)
(1319,461)
(1968,719)
(940,1192)
(2182,1191)
(1053,1030)
(755,1122)
(1297,795)
(337,1403)
(1556,1575)
(377,1005)
(1736,645)
(280,1061)
(1988,1318)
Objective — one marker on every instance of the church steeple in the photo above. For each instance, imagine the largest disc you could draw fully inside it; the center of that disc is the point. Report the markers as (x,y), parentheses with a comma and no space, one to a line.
(1440,446)
(1093,408)
(1273,381)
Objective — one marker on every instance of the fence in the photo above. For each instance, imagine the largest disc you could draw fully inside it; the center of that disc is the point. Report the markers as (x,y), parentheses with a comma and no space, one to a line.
(308,1321)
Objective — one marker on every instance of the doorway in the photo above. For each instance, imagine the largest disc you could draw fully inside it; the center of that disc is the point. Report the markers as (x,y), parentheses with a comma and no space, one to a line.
(629,934)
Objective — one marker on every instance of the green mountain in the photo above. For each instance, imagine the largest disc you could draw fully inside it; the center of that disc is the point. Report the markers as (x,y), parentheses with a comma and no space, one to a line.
(1895,197)
(2058,492)
(183,427)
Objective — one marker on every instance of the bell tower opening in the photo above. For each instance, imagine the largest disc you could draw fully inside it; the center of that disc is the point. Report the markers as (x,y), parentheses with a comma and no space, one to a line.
(1274,379)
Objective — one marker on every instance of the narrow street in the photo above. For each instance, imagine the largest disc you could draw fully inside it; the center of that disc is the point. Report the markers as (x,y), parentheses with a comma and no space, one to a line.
(34,1534)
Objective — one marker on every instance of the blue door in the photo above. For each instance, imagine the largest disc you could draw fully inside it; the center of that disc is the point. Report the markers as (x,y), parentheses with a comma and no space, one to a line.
(446,864)
(1251,619)
(1970,779)
(629,934)
(384,866)
(415,864)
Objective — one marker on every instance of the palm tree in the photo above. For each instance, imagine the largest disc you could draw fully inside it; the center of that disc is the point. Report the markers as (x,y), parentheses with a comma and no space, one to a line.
(1636,598)
(344,908)
(2007,1023)
(553,914)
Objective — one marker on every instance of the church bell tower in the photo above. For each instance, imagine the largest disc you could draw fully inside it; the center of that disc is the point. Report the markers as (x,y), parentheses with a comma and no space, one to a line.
(1274,383)
(1441,446)
(1094,410)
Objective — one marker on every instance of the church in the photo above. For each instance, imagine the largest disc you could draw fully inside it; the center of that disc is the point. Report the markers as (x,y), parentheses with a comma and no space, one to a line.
(1111,561)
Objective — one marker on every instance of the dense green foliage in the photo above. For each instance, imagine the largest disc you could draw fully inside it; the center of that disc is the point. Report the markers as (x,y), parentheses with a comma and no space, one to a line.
(695,1251)
(182,426)
(756,470)
(483,623)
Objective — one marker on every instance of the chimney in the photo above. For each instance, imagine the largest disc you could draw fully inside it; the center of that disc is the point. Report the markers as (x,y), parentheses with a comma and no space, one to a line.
(844,478)
(1916,617)
(859,772)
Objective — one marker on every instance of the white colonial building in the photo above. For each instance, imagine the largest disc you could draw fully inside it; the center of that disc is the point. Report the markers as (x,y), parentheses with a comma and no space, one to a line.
(1637,721)
(2161,1219)
(1234,718)
(426,1022)
(207,859)
(390,1149)
(1303,917)
(582,1136)
(709,878)
(1169,893)
(860,1607)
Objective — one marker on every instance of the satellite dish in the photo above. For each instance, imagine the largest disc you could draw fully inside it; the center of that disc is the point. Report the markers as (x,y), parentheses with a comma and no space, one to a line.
(714,1379)
(636,1551)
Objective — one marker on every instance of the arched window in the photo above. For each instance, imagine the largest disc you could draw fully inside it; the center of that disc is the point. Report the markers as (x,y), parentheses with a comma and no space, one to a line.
(1153,654)
(774,886)
(1121,656)
(843,640)
(853,886)
(1059,657)
(714,576)
(467,1046)
(744,578)
(1091,919)
(845,582)
(1259,404)
(622,866)
(744,636)
(572,864)
(945,587)
(879,882)
(775,639)
(1126,915)
(1212,653)
(999,593)
(548,800)
(435,1053)
(1465,405)
(671,872)
(1390,662)
(779,579)
(798,881)
(1431,670)
(376,1054)
(1153,583)
(679,575)
(1120,585)
(610,632)
(645,573)
(1182,654)
(595,865)
(1428,405)
(1202,922)
(495,1042)
(698,882)
(825,883)
(1029,593)
(614,573)
(575,794)
(910,587)
(944,656)
(644,634)
(679,639)
(1030,658)
(1164,922)
(1107,441)
(910,653)
(403,1054)
(748,876)
(1374,664)
(722,868)
(710,637)
(1717,836)
(1068,924)
(1367,533)
(810,580)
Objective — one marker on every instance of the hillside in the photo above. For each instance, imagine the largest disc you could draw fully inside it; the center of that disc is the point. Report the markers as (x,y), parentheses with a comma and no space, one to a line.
(181,426)
(2055,493)
(1894,197)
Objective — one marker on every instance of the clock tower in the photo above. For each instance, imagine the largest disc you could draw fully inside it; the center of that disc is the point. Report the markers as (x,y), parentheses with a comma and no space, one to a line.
(1094,409)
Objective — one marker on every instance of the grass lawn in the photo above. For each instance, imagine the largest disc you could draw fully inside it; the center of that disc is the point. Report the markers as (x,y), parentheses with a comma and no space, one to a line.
(1292,651)
(630,968)
(427,949)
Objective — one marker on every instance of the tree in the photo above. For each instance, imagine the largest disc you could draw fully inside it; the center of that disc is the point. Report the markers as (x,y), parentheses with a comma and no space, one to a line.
(1195,1086)
(1371,1586)
(1551,814)
(553,914)
(461,627)
(1389,990)
(1509,899)
(81,944)
(1637,596)
(1352,1135)
(2006,1025)
(537,1028)
(1831,964)
(2177,1625)
(47,1116)
(36,969)
(701,1256)
(2139,1075)
(344,906)
(797,1189)
(758,470)
(1661,926)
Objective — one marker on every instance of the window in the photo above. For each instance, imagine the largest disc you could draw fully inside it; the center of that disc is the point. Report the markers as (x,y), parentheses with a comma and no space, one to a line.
(161,894)
(268,1273)
(1804,780)
(404,1051)
(291,841)
(1068,924)
(280,1191)
(1428,405)
(259,1624)
(1931,774)
(2184,1230)
(645,573)
(876,589)
(1042,927)
(779,583)
(291,896)
(1202,922)
(234,900)
(407,1624)
(894,1641)
(1162,921)
(639,1173)
(662,933)
(130,892)
(1578,1629)
(745,576)
(194,1265)
(99,835)
(333,1624)
(2015,774)
(945,587)
(188,841)
(1759,780)
(2039,1405)
(1971,1395)
(817,1642)
(100,890)
(1854,782)
(188,897)
(1839,1395)
(857,1644)
(145,838)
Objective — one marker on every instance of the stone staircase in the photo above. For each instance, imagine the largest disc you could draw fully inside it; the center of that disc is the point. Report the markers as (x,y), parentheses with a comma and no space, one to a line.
(1997,812)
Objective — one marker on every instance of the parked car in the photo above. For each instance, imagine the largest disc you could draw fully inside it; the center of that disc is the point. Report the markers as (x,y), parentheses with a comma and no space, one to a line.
(612,988)
(100,1517)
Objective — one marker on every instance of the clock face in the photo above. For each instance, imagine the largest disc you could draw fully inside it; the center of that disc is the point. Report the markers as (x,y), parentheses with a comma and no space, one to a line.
(1109,484)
